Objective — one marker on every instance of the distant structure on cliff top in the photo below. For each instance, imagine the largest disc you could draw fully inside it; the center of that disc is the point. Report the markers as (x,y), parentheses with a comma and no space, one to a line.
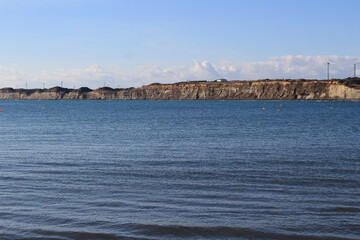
(221,80)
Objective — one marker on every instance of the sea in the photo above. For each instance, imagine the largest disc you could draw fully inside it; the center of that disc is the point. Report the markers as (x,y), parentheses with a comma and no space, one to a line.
(179,170)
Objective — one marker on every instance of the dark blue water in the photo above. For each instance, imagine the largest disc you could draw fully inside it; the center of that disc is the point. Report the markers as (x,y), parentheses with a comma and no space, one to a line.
(179,170)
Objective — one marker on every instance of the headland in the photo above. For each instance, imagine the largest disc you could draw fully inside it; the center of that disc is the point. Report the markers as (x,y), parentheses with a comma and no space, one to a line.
(278,89)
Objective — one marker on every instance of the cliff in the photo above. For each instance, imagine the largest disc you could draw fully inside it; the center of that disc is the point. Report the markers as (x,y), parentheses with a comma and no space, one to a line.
(345,89)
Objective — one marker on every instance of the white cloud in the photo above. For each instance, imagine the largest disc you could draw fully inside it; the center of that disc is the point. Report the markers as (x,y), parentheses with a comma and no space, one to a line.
(94,76)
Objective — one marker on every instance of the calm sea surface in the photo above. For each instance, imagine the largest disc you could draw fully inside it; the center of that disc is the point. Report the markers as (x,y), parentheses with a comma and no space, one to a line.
(179,170)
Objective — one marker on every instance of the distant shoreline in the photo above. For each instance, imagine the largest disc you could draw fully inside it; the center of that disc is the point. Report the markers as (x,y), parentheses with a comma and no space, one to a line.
(300,89)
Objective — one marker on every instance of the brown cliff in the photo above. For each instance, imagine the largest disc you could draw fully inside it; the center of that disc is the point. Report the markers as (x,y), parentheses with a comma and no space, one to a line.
(345,89)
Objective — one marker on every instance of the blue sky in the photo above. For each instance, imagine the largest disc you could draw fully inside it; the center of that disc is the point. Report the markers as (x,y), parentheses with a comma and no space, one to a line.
(89,42)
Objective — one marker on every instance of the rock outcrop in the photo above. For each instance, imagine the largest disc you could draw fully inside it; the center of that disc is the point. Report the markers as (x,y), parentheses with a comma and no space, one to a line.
(345,89)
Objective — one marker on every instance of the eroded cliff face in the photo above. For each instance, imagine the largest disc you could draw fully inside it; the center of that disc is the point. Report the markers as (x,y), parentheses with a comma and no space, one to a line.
(348,89)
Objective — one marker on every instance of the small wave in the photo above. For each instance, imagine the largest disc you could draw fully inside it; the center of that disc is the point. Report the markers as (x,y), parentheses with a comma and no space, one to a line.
(143,232)
(344,209)
(186,232)
(73,235)
(13,178)
(336,209)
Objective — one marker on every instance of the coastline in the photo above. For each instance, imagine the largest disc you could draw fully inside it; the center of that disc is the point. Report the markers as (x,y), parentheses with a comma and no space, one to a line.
(336,89)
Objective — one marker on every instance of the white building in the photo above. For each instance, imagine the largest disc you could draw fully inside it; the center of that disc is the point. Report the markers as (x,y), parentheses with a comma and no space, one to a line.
(221,80)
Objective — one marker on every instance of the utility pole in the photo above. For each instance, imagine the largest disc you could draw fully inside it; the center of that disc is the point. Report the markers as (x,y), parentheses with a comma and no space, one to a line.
(355,70)
(61,83)
(328,71)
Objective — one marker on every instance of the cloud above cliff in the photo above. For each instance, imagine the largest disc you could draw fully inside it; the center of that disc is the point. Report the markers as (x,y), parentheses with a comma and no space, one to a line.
(281,67)
(94,76)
